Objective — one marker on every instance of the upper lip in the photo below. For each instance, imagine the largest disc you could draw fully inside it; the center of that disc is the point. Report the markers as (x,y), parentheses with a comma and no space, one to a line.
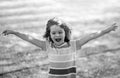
(57,38)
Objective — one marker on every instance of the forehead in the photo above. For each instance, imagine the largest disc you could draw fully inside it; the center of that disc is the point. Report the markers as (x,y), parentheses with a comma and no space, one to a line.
(56,28)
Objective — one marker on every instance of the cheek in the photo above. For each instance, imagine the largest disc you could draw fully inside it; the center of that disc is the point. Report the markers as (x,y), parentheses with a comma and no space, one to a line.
(52,37)
(64,35)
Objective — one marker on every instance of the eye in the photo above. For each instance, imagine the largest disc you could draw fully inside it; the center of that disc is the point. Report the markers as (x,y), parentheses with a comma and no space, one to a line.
(53,33)
(60,32)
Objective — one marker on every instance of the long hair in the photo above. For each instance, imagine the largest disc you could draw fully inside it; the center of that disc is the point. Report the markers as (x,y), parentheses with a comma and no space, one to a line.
(58,22)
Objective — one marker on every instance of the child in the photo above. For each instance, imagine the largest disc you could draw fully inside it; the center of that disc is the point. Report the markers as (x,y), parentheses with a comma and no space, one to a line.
(61,50)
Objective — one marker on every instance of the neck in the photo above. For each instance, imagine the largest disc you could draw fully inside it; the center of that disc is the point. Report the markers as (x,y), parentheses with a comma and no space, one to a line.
(65,44)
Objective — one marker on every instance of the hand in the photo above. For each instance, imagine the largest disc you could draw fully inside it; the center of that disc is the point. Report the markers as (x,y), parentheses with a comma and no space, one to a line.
(7,32)
(113,27)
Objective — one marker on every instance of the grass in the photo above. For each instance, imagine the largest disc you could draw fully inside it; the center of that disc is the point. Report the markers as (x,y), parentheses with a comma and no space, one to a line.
(99,58)
(98,65)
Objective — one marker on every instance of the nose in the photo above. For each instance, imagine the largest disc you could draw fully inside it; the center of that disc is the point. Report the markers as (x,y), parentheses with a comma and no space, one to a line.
(57,34)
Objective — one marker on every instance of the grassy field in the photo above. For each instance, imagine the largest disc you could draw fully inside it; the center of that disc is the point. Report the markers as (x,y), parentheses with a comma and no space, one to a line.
(99,58)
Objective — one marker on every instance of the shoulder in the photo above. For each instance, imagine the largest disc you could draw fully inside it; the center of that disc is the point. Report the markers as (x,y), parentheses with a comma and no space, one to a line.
(73,43)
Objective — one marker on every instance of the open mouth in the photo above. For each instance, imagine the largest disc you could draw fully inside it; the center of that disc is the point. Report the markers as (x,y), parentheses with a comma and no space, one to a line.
(58,39)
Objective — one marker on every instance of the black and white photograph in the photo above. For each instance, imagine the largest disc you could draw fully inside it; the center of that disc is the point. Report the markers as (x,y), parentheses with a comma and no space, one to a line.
(59,38)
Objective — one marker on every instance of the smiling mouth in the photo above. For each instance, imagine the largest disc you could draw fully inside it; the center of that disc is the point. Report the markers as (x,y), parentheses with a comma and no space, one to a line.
(58,39)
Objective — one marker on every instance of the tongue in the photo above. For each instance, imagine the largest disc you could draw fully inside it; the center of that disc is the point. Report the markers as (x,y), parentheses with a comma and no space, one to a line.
(58,40)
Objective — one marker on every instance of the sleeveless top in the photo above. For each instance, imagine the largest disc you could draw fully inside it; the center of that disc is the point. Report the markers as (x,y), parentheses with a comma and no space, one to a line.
(62,61)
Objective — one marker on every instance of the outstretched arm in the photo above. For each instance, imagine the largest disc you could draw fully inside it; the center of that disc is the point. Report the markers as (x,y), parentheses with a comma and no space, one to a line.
(92,36)
(28,38)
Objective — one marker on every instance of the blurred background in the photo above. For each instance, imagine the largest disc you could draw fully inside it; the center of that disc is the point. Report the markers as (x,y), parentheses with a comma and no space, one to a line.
(97,59)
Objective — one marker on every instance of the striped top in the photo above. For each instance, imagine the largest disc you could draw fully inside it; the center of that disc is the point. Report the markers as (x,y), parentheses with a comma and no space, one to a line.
(62,61)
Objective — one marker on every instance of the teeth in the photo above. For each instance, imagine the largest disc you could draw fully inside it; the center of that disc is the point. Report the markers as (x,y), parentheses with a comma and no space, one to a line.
(58,39)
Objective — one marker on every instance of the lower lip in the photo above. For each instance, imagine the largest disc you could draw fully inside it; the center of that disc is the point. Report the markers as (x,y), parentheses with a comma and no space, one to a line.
(58,41)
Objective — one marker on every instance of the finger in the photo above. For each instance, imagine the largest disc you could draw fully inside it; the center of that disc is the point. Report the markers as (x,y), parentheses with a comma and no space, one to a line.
(113,24)
(115,28)
(4,31)
(0,34)
(6,34)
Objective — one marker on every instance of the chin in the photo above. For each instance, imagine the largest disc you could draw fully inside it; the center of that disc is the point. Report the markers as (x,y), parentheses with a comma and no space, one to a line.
(58,43)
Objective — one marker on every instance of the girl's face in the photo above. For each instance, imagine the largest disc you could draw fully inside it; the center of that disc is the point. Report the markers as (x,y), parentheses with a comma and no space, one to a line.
(57,35)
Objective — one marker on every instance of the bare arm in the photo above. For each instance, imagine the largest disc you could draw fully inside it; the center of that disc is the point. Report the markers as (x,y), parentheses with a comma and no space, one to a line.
(92,36)
(28,38)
